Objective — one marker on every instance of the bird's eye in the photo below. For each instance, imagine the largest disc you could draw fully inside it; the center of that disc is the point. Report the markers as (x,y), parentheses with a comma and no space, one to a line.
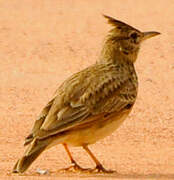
(134,35)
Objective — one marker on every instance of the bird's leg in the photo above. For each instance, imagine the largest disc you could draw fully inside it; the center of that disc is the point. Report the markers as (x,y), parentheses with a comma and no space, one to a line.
(74,165)
(99,167)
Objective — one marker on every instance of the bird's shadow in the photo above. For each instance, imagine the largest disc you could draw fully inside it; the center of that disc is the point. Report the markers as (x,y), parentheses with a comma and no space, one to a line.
(135,176)
(114,175)
(108,176)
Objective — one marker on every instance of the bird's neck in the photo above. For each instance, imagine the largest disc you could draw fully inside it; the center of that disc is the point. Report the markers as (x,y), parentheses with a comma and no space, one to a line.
(112,52)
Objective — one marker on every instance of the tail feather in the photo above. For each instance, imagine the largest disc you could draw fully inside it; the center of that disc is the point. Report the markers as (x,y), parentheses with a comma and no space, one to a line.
(28,139)
(32,152)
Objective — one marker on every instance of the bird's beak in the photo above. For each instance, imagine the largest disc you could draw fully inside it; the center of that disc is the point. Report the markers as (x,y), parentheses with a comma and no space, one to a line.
(147,35)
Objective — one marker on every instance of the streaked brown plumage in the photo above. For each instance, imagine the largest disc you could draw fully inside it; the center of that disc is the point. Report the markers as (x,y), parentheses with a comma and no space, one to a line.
(93,103)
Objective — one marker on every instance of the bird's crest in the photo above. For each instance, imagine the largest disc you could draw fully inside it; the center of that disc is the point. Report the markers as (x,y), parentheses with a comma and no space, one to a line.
(118,24)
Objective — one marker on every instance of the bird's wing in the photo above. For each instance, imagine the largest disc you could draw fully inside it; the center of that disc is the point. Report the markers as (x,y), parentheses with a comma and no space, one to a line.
(87,96)
(39,121)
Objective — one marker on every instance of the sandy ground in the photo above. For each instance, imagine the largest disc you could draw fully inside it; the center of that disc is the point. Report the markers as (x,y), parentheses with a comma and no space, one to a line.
(43,42)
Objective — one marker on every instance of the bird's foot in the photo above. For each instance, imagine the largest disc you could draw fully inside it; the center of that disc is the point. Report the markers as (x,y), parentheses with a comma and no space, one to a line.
(99,168)
(75,167)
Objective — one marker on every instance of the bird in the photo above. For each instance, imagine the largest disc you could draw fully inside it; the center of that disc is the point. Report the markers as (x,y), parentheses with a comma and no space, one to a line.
(90,104)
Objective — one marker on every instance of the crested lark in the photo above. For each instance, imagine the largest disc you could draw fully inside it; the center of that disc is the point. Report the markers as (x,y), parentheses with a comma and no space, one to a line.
(92,103)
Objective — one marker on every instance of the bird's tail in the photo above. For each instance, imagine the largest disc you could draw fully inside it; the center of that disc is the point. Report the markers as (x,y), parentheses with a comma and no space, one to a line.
(35,148)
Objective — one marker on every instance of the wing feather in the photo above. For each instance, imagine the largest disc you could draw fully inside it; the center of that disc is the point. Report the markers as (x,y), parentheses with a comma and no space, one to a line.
(91,97)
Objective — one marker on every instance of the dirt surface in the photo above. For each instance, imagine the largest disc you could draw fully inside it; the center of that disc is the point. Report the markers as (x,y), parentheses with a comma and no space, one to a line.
(43,42)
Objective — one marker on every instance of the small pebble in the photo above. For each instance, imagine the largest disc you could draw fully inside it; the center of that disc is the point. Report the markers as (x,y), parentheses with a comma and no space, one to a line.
(42,172)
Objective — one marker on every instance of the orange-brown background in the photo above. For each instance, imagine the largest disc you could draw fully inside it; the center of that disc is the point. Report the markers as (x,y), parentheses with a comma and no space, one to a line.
(42,42)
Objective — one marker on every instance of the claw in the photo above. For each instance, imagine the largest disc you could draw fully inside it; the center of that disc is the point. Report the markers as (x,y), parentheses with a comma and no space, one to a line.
(99,168)
(75,167)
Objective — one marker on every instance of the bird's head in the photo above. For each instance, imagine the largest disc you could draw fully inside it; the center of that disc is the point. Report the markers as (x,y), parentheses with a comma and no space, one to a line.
(126,39)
